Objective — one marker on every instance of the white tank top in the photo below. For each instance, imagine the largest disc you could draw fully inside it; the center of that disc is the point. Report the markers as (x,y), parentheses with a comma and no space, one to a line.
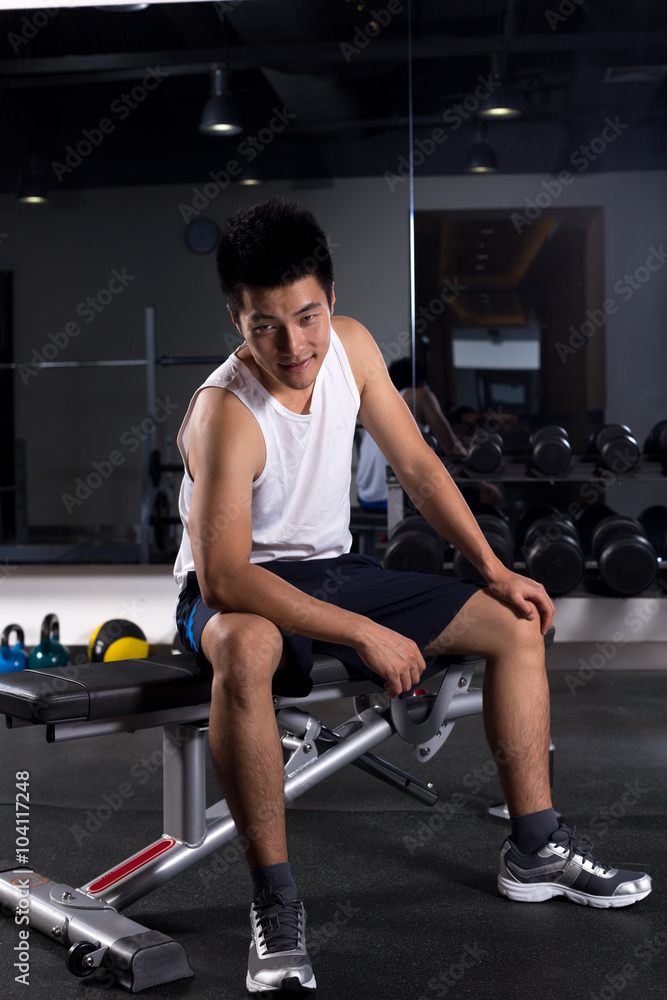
(371,472)
(301,501)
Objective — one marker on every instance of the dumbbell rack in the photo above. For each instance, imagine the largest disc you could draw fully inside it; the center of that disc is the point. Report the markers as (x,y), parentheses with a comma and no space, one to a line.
(516,469)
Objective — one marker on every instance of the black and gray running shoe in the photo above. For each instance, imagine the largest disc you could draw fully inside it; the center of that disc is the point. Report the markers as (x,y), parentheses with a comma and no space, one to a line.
(278,961)
(565,867)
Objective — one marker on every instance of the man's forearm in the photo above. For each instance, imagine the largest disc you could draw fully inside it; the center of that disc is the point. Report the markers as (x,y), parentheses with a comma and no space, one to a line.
(251,589)
(437,497)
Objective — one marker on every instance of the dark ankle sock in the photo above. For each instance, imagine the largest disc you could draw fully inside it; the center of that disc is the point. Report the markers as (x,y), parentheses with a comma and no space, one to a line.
(531,832)
(273,877)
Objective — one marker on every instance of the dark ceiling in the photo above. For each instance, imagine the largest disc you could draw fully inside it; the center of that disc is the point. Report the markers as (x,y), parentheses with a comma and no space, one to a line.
(573,63)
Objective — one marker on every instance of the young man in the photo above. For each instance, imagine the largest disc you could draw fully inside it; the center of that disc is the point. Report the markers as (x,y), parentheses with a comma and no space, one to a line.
(266,445)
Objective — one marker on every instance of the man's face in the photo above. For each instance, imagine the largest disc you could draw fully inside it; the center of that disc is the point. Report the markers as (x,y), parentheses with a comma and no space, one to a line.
(287,333)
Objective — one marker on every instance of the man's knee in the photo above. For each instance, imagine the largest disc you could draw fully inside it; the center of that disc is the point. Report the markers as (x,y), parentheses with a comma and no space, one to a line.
(244,650)
(518,633)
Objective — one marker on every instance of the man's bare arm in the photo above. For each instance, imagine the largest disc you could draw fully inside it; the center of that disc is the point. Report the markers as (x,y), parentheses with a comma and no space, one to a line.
(386,417)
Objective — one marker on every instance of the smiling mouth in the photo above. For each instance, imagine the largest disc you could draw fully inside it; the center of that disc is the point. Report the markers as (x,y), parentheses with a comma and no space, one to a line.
(299,366)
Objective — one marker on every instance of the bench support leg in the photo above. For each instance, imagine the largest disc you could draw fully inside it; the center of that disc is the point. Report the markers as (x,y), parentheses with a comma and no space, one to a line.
(136,956)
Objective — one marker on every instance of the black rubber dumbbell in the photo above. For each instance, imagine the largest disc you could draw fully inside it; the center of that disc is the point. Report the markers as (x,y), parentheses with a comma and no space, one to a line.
(551,548)
(656,442)
(654,522)
(485,452)
(498,534)
(627,562)
(615,447)
(415,547)
(549,450)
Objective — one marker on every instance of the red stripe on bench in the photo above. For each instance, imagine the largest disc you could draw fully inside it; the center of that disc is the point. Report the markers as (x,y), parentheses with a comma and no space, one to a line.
(116,874)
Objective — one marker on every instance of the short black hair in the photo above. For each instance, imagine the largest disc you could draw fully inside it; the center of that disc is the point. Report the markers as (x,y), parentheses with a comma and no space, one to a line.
(270,245)
(400,372)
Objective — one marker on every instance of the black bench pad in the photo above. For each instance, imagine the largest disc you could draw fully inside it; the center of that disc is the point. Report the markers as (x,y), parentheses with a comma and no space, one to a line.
(92,691)
(89,692)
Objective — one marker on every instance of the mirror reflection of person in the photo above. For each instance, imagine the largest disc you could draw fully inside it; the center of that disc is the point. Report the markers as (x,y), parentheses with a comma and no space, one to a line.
(372,466)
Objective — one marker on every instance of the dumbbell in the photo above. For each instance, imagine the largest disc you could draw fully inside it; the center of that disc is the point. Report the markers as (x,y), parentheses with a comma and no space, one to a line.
(654,522)
(415,547)
(485,452)
(551,548)
(549,450)
(656,442)
(627,562)
(12,658)
(615,447)
(498,534)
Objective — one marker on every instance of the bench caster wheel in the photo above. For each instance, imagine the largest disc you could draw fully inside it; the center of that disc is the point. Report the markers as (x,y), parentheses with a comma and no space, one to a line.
(76,959)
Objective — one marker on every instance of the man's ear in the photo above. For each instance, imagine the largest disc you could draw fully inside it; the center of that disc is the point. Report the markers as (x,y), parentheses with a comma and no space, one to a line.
(234,320)
(333,298)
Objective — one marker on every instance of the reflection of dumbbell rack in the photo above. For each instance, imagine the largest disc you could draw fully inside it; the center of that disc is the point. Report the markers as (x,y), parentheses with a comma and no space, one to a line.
(517,470)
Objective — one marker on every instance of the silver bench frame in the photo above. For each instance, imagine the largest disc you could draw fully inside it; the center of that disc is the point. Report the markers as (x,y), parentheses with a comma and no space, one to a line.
(87,919)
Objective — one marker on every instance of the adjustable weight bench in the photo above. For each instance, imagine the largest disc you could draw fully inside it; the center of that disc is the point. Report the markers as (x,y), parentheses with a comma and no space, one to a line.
(169,691)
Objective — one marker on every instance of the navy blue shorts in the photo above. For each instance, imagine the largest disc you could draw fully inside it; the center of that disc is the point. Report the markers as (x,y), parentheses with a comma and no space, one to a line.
(417,605)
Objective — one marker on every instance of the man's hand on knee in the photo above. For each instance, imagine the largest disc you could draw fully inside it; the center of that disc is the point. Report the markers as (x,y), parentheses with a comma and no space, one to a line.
(526,596)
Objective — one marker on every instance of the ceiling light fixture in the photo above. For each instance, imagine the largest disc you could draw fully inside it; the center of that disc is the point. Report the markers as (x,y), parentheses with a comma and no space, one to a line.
(250,176)
(481,157)
(502,103)
(220,115)
(32,186)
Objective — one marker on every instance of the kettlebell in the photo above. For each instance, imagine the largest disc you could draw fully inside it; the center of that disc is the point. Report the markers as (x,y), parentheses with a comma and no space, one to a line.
(12,658)
(49,652)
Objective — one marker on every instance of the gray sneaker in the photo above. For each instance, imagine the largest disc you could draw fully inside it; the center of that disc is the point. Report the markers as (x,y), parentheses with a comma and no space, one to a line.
(278,961)
(564,867)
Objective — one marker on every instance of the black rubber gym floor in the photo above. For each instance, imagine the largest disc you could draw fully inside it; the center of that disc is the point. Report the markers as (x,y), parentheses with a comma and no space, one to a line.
(401,898)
